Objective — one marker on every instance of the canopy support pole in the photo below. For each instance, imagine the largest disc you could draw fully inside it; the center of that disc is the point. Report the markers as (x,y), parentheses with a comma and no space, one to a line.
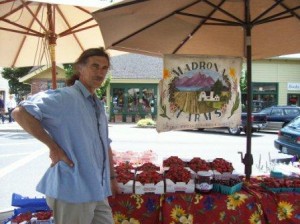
(248,159)
(52,42)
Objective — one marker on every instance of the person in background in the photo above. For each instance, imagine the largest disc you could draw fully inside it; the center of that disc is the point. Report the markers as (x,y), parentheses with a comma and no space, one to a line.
(2,109)
(71,121)
(10,105)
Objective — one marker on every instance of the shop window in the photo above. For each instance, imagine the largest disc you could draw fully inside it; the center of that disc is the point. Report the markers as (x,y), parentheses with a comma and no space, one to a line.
(133,99)
(118,100)
(59,84)
(265,87)
(131,102)
(294,99)
(147,100)
(265,95)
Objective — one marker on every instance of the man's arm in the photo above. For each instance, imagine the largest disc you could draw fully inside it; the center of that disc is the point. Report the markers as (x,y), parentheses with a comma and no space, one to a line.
(34,127)
(114,184)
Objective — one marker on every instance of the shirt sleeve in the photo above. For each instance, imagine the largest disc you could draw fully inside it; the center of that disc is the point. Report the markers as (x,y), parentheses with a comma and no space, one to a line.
(44,105)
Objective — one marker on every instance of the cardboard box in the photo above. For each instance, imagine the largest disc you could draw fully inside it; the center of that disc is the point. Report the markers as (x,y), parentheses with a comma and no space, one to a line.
(127,188)
(140,188)
(35,221)
(172,187)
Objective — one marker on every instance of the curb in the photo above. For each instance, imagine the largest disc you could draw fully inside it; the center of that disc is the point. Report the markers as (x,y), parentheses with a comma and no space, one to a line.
(12,130)
(7,127)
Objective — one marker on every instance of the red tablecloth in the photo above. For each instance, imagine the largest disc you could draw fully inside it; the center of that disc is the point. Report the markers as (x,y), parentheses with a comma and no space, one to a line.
(240,207)
(253,205)
(143,209)
(278,208)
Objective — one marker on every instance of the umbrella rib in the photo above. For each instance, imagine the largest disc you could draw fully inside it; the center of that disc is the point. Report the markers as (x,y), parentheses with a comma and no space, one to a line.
(27,30)
(13,11)
(33,32)
(198,27)
(223,11)
(266,11)
(68,24)
(290,10)
(22,32)
(222,22)
(149,25)
(78,30)
(69,31)
(34,16)
(278,16)
(272,20)
(25,36)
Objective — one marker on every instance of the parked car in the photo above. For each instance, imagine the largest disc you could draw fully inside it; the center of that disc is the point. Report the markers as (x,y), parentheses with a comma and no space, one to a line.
(259,121)
(288,140)
(279,116)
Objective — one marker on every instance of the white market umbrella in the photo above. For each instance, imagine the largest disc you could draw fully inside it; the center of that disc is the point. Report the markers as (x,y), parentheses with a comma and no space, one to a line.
(35,33)
(253,29)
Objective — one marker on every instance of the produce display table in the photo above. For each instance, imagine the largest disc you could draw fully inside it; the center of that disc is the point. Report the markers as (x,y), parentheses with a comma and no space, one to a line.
(246,206)
(251,205)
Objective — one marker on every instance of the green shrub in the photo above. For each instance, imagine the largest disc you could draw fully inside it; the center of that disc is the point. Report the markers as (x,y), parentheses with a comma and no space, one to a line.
(146,122)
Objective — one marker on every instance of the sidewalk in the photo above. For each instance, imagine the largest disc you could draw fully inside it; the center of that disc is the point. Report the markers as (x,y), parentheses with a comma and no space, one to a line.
(15,127)
(10,127)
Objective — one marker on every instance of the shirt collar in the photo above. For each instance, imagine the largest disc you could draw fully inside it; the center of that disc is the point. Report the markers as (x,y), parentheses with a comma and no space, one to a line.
(82,89)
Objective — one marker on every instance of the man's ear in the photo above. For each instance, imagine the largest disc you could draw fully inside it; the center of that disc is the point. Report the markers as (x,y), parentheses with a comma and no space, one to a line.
(80,70)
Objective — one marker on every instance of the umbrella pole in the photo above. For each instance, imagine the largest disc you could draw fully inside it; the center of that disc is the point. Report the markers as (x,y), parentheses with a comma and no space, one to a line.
(52,42)
(53,65)
(248,159)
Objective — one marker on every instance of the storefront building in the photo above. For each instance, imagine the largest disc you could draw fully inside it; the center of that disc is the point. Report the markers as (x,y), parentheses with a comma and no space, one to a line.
(39,78)
(275,82)
(133,91)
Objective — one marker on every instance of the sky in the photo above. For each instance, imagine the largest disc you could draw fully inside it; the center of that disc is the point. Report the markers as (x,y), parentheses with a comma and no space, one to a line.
(291,56)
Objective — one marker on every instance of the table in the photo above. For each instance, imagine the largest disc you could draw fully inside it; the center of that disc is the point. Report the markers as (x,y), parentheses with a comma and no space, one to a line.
(252,205)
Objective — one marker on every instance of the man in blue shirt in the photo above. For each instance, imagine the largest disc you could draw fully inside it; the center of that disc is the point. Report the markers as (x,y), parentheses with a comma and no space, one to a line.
(71,121)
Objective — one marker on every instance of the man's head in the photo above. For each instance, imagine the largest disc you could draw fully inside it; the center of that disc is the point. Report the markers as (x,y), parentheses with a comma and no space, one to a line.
(83,58)
(91,68)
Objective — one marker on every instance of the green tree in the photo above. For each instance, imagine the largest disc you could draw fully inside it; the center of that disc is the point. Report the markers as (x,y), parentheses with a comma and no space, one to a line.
(68,70)
(15,87)
(100,92)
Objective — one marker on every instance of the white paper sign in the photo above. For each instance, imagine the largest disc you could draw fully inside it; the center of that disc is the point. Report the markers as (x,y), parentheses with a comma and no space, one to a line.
(293,86)
(199,92)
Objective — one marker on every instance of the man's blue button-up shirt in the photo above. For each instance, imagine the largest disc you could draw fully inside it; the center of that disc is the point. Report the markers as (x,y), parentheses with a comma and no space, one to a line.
(77,122)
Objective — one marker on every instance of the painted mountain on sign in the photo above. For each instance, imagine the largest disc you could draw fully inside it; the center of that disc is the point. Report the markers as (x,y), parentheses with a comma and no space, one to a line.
(197,82)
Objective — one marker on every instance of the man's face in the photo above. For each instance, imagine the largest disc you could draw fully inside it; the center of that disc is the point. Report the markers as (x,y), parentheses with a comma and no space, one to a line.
(94,72)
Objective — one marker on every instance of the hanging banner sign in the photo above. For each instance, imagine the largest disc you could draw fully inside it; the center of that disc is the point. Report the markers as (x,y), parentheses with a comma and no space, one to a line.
(199,92)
